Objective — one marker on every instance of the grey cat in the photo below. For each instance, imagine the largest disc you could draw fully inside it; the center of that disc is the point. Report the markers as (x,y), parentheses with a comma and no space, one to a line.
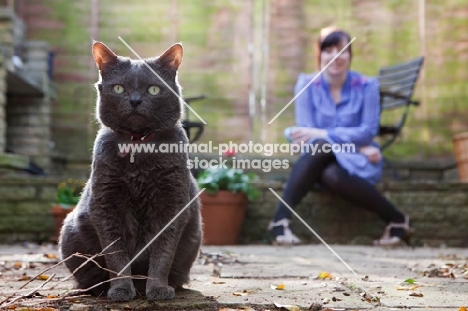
(129,198)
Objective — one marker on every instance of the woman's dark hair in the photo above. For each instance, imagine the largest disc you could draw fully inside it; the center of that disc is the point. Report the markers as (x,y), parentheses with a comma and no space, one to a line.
(332,39)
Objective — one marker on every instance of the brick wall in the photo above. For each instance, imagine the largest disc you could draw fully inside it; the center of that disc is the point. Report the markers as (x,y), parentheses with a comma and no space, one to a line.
(25,209)
(24,114)
(438,212)
(221,40)
(6,51)
(28,118)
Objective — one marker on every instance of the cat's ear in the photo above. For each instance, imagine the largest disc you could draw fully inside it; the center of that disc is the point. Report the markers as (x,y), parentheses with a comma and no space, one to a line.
(103,56)
(172,57)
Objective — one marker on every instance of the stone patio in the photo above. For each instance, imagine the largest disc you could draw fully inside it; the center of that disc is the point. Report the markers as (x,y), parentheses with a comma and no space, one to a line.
(242,277)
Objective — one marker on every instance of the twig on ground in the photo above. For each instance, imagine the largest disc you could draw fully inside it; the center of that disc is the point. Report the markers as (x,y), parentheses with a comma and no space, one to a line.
(83,290)
(36,302)
(88,259)
(71,293)
(35,277)
(47,269)
(31,292)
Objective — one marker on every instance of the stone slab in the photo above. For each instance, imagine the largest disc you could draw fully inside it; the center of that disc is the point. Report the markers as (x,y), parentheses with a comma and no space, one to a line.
(247,274)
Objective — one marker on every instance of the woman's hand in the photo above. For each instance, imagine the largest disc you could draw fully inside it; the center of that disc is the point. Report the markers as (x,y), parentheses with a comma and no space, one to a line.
(304,134)
(372,153)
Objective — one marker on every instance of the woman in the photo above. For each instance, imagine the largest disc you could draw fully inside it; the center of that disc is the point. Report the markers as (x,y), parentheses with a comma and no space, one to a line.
(338,107)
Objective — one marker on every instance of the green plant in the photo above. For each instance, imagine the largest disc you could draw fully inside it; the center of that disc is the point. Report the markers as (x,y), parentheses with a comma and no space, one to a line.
(235,180)
(68,192)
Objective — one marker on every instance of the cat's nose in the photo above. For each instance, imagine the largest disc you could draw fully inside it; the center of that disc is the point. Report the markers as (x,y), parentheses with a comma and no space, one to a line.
(135,99)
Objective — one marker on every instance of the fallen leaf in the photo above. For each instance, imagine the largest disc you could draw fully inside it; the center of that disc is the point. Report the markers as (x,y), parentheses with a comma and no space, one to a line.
(415,294)
(399,287)
(443,272)
(24,277)
(287,307)
(365,296)
(43,277)
(18,265)
(248,291)
(50,256)
(278,287)
(325,275)
(240,294)
(409,281)
(462,308)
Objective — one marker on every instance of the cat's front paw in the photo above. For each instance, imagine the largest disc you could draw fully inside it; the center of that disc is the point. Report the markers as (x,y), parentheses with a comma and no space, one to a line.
(160,293)
(121,293)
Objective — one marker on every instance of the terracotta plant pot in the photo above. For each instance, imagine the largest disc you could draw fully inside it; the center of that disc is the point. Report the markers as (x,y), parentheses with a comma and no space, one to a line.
(223,214)
(59,214)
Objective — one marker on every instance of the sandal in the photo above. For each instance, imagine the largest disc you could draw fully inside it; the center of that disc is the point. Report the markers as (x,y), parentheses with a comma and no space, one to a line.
(287,237)
(388,239)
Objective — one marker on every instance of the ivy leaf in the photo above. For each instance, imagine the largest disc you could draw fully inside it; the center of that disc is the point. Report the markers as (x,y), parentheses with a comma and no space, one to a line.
(409,281)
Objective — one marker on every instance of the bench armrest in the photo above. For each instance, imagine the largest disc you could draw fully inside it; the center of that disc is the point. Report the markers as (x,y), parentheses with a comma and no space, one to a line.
(389,93)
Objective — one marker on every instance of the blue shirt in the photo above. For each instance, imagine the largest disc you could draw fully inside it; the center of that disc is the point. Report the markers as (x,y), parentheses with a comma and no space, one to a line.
(355,119)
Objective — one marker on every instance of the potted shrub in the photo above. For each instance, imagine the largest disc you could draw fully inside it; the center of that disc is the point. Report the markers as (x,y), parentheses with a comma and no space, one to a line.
(224,202)
(68,195)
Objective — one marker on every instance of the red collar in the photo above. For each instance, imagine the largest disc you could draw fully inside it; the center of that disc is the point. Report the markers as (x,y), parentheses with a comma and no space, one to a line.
(138,139)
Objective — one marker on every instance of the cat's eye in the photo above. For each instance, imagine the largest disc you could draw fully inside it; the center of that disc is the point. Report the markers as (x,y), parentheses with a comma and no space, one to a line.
(118,88)
(154,90)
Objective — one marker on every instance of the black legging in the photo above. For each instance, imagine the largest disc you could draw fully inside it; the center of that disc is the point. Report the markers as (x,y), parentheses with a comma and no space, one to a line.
(323,168)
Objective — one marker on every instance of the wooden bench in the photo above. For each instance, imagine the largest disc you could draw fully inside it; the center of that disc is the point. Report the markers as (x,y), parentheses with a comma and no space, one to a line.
(397,85)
